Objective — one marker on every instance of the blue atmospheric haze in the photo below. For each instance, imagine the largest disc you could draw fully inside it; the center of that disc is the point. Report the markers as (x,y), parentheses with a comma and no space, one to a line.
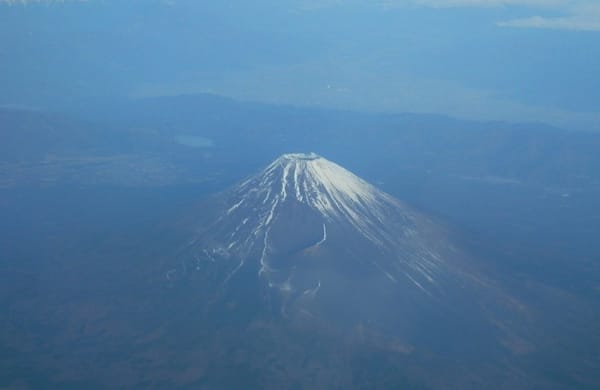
(456,58)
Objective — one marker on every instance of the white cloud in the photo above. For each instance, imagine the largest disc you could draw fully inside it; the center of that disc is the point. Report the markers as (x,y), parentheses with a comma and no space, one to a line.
(488,3)
(25,2)
(574,22)
(582,17)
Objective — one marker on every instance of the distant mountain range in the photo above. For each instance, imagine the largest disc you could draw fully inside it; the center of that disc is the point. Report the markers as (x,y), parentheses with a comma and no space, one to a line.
(251,133)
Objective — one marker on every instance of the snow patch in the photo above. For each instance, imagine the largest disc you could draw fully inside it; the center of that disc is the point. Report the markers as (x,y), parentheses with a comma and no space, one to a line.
(324,236)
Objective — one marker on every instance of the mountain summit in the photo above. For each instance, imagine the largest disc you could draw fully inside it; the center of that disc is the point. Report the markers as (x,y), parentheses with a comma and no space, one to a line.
(307,239)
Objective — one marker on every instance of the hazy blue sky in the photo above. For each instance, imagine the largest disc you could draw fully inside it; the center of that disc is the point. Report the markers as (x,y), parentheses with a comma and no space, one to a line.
(518,60)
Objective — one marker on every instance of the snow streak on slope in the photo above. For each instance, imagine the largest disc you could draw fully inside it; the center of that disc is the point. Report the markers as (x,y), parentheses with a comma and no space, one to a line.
(336,193)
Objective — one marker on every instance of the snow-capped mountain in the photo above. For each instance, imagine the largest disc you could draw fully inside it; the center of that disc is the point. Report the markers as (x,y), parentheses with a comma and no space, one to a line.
(306,238)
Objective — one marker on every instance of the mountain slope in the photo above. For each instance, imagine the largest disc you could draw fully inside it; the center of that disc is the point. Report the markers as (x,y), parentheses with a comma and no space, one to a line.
(309,241)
